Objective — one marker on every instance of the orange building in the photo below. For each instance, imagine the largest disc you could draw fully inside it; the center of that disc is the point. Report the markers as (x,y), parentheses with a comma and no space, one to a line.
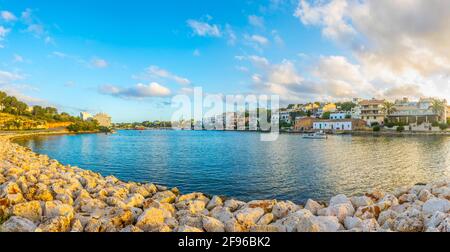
(304,124)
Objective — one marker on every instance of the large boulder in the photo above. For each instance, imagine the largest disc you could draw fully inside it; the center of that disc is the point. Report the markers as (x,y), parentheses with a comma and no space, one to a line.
(18,224)
(249,216)
(233,204)
(289,223)
(222,213)
(214,202)
(31,210)
(341,211)
(57,208)
(55,224)
(284,208)
(151,219)
(266,205)
(164,197)
(361,201)
(339,199)
(436,205)
(313,206)
(212,224)
(319,224)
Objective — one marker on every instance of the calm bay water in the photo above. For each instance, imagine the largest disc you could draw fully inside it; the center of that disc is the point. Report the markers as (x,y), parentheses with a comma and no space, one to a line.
(238,164)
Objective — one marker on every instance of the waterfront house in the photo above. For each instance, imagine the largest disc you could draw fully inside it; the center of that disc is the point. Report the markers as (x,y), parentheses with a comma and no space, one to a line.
(339,125)
(103,119)
(285,116)
(415,112)
(372,111)
(304,124)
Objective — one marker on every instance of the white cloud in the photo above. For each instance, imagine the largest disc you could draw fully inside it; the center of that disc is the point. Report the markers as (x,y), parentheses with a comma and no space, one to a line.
(156,71)
(8,77)
(256,21)
(261,40)
(231,35)
(3,32)
(140,90)
(8,16)
(35,26)
(204,29)
(277,38)
(17,58)
(330,16)
(398,46)
(99,63)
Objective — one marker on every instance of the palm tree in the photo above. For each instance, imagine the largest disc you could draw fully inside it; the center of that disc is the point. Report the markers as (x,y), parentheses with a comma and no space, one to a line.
(438,107)
(388,108)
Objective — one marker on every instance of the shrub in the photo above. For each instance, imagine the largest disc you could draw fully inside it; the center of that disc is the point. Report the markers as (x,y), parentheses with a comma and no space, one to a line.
(435,124)
(443,126)
(376,128)
(400,128)
(374,124)
(389,125)
(83,126)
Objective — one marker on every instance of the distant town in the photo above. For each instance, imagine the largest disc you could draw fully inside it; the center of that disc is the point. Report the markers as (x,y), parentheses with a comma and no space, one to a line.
(423,115)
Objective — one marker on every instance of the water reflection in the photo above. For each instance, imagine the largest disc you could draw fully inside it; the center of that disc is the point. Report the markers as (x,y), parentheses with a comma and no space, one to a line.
(238,164)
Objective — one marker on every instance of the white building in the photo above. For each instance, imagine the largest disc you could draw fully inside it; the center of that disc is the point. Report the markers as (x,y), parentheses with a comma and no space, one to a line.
(338,116)
(103,119)
(86,116)
(285,116)
(345,124)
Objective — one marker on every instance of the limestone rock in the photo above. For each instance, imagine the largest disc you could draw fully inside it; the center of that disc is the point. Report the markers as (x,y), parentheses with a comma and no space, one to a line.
(30,210)
(57,208)
(131,229)
(222,213)
(214,202)
(188,229)
(164,197)
(212,225)
(319,224)
(266,219)
(249,216)
(436,205)
(150,219)
(283,209)
(289,223)
(361,201)
(339,199)
(341,211)
(264,229)
(193,206)
(135,200)
(313,206)
(266,205)
(18,224)
(233,204)
(55,224)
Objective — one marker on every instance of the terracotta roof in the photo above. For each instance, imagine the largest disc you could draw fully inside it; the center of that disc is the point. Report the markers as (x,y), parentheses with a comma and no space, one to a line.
(371,102)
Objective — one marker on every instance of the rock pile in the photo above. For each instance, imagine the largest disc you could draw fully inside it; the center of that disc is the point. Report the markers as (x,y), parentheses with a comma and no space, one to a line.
(38,194)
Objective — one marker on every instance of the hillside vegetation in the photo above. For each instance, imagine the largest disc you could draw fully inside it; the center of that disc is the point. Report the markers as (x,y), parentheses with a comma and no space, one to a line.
(17,115)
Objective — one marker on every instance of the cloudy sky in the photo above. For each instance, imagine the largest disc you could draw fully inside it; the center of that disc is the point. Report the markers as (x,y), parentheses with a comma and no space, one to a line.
(128,58)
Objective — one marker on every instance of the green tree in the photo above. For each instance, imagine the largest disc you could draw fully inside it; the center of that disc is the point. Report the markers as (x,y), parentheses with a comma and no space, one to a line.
(347,106)
(388,108)
(326,115)
(438,107)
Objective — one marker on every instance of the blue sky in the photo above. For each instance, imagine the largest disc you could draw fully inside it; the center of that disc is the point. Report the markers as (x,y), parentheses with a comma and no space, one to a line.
(127,58)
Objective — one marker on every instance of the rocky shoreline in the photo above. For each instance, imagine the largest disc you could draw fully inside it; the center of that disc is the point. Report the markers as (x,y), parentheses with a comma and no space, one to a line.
(38,194)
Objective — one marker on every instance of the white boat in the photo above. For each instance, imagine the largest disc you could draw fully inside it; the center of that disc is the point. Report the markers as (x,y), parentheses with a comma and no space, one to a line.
(317,135)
